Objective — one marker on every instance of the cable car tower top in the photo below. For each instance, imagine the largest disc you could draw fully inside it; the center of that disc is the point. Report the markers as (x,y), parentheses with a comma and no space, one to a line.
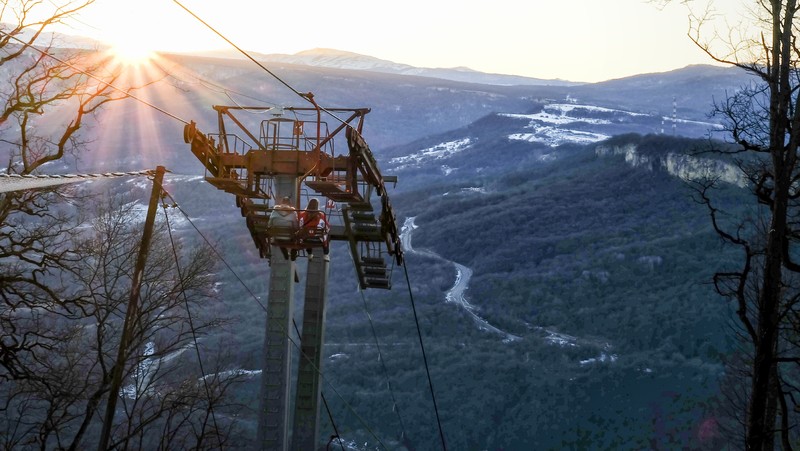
(250,165)
(287,153)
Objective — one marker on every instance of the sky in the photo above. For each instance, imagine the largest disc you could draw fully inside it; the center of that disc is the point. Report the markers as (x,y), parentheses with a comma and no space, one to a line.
(577,40)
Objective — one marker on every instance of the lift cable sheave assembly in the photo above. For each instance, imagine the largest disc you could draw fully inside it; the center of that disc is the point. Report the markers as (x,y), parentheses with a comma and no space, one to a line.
(246,165)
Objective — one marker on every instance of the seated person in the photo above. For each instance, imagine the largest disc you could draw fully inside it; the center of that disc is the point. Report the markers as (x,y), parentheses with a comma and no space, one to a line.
(314,226)
(284,220)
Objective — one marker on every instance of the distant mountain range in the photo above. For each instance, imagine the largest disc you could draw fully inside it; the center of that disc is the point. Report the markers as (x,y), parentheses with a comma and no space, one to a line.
(339,59)
(336,59)
(342,59)
(407,108)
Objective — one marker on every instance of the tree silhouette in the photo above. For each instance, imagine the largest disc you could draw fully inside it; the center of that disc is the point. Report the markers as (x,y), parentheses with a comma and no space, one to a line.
(51,94)
(62,287)
(165,402)
(763,121)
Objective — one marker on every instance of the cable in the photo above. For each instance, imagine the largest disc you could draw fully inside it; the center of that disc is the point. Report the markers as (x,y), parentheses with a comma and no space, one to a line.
(210,85)
(217,253)
(395,408)
(335,429)
(17,182)
(245,109)
(191,324)
(424,357)
(94,77)
(304,96)
(309,97)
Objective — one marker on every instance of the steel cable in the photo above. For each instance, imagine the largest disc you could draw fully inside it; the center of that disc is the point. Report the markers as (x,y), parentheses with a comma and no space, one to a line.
(191,326)
(424,357)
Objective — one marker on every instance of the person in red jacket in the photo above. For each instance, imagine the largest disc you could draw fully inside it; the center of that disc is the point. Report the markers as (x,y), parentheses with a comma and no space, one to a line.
(314,226)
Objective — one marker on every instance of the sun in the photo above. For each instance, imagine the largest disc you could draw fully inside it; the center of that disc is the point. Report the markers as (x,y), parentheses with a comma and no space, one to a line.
(132,52)
(131,39)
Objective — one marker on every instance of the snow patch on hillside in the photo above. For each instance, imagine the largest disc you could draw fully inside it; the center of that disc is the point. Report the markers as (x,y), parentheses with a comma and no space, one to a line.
(554,137)
(568,341)
(469,190)
(233,373)
(144,372)
(567,108)
(438,152)
(477,189)
(186,178)
(602,358)
(563,114)
(177,220)
(548,125)
(141,183)
(559,339)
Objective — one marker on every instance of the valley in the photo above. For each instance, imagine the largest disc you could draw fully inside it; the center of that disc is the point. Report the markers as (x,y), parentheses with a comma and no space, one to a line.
(456,293)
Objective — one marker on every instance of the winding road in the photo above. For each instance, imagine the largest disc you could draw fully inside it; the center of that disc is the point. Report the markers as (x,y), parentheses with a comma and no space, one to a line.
(456,293)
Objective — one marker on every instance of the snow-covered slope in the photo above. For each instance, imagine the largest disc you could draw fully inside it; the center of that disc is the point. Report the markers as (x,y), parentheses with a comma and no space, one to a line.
(537,134)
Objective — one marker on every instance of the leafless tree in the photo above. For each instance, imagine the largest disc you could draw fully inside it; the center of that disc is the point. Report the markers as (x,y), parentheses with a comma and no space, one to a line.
(62,287)
(48,96)
(166,402)
(763,122)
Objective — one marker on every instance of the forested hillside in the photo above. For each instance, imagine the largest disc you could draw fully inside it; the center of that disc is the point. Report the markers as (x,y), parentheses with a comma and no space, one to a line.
(617,259)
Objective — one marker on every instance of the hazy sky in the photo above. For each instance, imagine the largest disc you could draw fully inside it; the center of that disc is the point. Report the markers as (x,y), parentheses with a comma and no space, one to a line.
(579,40)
